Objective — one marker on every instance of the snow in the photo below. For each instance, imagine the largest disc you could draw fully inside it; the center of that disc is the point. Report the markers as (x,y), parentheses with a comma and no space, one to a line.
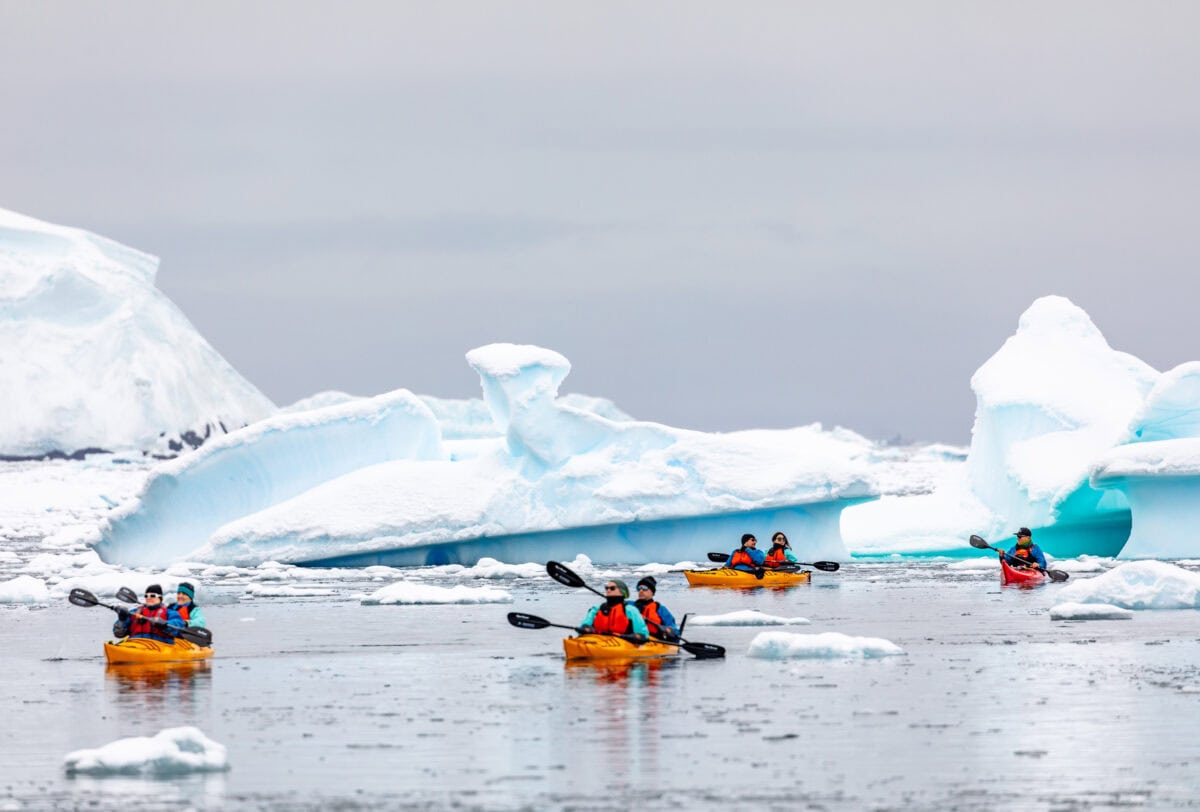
(827,645)
(93,355)
(745,617)
(404,593)
(1138,585)
(1089,611)
(24,589)
(174,751)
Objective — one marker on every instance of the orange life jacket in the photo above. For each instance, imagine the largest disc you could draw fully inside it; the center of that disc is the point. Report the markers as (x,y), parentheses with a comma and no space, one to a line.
(653,619)
(138,624)
(184,611)
(742,557)
(777,557)
(612,620)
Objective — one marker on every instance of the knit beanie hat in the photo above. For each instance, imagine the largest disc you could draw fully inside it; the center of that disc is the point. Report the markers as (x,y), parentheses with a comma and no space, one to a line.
(622,587)
(648,581)
(187,589)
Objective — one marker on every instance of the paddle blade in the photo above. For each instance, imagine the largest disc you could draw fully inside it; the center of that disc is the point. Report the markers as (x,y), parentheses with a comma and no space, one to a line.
(81,597)
(201,637)
(704,651)
(718,558)
(524,621)
(127,595)
(563,574)
(826,566)
(1058,575)
(759,572)
(978,542)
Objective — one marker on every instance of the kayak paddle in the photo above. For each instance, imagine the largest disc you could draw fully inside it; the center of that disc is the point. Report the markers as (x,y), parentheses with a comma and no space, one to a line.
(824,566)
(1054,575)
(201,637)
(567,577)
(702,651)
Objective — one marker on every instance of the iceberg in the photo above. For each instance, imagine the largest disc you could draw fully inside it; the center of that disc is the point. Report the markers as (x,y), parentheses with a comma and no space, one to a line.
(93,356)
(186,499)
(824,646)
(553,480)
(1138,585)
(1089,611)
(405,593)
(1158,470)
(174,751)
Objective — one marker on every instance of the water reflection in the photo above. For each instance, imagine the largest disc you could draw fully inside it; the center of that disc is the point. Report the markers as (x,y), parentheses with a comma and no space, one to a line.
(203,791)
(150,684)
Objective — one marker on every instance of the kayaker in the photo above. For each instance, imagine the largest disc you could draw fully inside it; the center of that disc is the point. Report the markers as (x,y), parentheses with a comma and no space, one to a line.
(658,618)
(781,551)
(617,615)
(185,605)
(747,557)
(137,623)
(1025,554)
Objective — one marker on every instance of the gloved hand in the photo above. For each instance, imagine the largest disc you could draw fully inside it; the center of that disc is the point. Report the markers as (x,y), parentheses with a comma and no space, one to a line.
(123,614)
(585,629)
(638,639)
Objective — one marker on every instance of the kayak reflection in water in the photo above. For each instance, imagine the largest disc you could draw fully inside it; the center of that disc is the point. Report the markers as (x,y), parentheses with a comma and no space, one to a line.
(781,551)
(138,622)
(748,557)
(1025,554)
(185,605)
(658,617)
(617,615)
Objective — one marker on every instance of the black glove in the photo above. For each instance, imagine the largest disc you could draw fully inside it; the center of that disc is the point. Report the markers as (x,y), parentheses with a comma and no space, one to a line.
(585,629)
(638,639)
(123,614)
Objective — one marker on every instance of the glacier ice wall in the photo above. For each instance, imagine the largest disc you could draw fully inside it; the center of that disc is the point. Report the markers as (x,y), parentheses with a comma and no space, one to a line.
(92,355)
(1158,470)
(186,499)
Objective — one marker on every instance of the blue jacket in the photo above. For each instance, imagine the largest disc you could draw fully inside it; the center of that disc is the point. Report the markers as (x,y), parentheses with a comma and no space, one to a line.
(196,618)
(1034,550)
(757,556)
(636,622)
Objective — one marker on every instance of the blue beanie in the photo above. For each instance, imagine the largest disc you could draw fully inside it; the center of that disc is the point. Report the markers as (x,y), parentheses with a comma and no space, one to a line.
(187,589)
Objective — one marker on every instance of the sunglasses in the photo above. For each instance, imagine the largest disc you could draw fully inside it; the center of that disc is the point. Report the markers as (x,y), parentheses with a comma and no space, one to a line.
(153,595)
(609,588)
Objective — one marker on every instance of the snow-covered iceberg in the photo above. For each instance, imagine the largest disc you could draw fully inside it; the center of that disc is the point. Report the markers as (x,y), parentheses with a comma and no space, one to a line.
(174,751)
(1050,401)
(94,356)
(1158,470)
(553,481)
(1138,585)
(824,646)
(407,593)
(185,500)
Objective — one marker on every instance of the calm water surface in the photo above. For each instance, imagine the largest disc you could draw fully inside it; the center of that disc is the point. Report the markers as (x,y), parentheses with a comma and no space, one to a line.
(324,703)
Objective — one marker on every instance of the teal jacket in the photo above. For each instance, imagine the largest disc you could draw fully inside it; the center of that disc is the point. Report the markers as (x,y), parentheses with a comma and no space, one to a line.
(636,621)
(196,618)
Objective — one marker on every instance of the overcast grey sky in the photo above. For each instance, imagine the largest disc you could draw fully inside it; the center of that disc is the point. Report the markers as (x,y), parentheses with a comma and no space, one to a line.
(726,215)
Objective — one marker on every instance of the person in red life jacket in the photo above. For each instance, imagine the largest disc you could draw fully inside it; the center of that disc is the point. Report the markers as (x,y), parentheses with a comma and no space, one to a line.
(140,622)
(185,605)
(1025,554)
(780,552)
(617,615)
(748,557)
(658,618)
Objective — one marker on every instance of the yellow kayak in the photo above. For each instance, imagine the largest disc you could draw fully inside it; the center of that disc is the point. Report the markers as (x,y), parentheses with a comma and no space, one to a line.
(726,576)
(145,650)
(608,647)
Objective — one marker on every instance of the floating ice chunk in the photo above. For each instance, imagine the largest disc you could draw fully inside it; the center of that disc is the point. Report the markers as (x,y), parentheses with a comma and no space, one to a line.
(828,645)
(24,589)
(174,751)
(491,568)
(981,564)
(1089,611)
(261,591)
(746,617)
(1139,585)
(409,593)
(663,569)
(1084,563)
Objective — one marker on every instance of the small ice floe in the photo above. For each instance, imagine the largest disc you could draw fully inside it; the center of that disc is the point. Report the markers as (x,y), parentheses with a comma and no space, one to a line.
(1089,611)
(828,645)
(663,569)
(24,589)
(1085,563)
(407,592)
(1138,585)
(981,564)
(271,591)
(745,617)
(174,751)
(498,570)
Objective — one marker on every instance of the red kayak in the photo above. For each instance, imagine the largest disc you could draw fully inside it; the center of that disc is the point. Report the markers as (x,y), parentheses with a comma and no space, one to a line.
(1010,576)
